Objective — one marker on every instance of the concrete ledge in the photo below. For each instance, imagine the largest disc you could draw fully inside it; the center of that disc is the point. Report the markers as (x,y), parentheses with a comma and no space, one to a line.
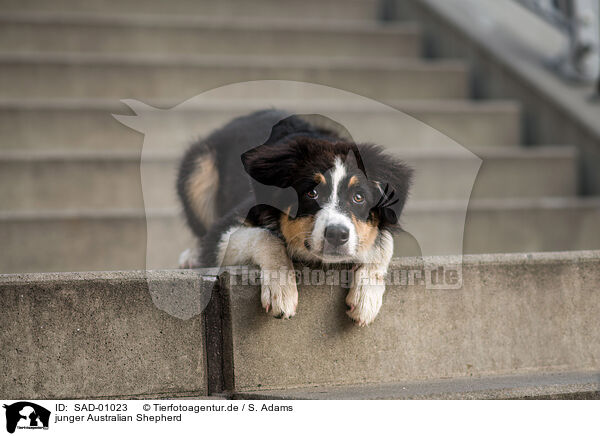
(94,335)
(530,313)
(566,386)
(138,335)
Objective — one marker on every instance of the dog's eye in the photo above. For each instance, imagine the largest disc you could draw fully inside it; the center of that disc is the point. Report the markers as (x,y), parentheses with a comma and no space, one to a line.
(312,194)
(358,198)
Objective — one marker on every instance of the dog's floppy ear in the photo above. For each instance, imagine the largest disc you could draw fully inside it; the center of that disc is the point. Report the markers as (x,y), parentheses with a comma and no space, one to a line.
(271,164)
(392,178)
(271,167)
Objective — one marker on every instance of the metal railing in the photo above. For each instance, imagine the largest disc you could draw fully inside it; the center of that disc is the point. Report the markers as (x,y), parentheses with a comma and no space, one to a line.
(579,20)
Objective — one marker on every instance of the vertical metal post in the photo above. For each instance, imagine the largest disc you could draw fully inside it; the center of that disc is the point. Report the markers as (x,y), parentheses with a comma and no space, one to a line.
(584,33)
(598,36)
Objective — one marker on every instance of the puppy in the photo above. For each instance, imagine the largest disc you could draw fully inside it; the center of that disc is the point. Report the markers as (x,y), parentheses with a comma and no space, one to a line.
(272,188)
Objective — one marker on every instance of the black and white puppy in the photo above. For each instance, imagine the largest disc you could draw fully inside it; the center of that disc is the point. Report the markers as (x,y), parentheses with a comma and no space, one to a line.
(305,194)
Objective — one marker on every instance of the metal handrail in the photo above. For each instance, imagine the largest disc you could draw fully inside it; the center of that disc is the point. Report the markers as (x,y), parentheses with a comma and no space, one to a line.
(549,13)
(580,21)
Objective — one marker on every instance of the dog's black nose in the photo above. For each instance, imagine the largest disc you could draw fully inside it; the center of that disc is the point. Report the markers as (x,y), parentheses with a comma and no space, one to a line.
(337,234)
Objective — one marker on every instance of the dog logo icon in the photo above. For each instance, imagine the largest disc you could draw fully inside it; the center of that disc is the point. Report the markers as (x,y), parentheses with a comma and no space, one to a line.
(26,415)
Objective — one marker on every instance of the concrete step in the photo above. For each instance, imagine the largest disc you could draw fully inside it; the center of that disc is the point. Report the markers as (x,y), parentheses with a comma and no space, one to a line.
(98,335)
(517,313)
(89,240)
(321,9)
(93,33)
(555,386)
(80,240)
(88,124)
(544,171)
(503,225)
(67,180)
(184,76)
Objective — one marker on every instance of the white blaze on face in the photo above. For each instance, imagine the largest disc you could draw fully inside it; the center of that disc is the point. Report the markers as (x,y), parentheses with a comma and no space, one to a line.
(337,175)
(331,214)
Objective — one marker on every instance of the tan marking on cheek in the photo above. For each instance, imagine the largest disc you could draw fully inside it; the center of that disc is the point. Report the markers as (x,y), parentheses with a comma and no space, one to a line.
(320,178)
(353,181)
(366,232)
(296,231)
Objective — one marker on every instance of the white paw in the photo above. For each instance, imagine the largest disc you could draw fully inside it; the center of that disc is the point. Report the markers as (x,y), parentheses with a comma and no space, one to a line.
(281,298)
(189,259)
(365,297)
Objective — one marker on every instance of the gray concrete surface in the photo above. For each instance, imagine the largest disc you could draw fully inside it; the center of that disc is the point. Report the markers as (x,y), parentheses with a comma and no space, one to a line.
(66,180)
(76,124)
(92,239)
(534,313)
(321,9)
(505,225)
(94,335)
(565,386)
(521,326)
(182,76)
(93,33)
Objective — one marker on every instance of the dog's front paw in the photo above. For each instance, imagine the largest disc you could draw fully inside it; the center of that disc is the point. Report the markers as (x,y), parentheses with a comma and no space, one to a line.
(189,259)
(365,296)
(280,297)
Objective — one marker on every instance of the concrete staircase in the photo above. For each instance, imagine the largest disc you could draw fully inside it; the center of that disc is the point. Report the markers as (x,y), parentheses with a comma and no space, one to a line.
(71,172)
(71,200)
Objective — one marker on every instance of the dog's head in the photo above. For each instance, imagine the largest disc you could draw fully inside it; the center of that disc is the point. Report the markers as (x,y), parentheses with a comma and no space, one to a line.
(345,194)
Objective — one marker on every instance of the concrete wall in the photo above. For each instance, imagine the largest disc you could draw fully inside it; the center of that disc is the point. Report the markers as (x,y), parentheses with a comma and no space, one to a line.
(515,313)
(113,335)
(93,335)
